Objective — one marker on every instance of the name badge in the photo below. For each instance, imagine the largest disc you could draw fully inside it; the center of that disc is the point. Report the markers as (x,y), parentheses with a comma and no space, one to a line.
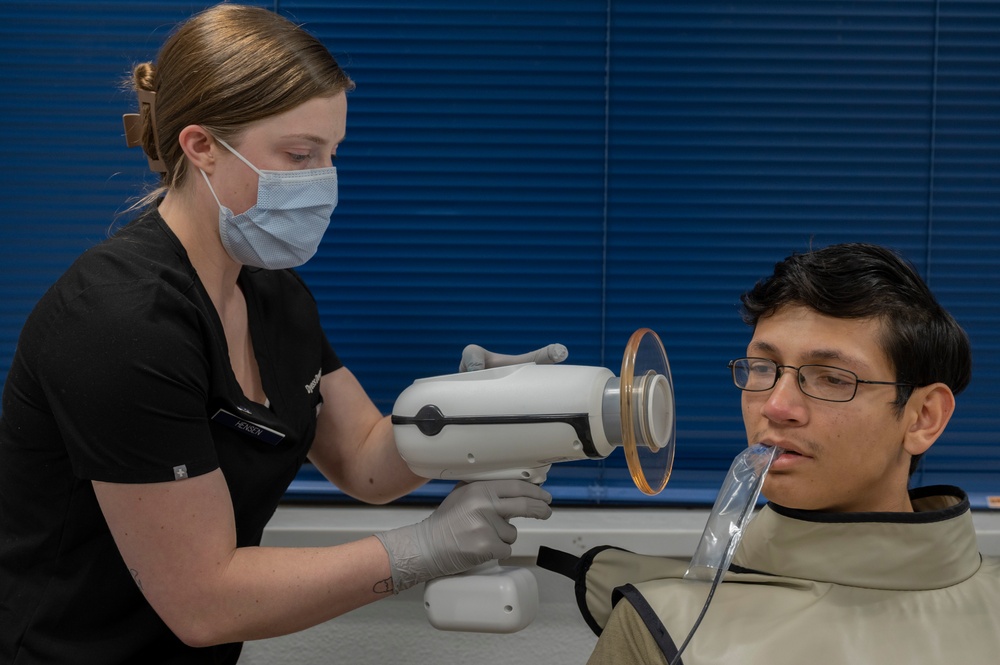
(248,427)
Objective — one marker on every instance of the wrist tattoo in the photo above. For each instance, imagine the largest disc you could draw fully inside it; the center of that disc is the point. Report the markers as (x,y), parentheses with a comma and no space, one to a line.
(383,586)
(135,576)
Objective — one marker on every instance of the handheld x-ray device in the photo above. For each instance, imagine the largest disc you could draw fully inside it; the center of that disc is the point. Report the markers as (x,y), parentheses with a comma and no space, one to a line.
(515,422)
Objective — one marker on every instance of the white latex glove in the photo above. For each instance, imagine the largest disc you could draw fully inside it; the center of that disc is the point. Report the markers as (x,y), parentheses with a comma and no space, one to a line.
(475,357)
(470,527)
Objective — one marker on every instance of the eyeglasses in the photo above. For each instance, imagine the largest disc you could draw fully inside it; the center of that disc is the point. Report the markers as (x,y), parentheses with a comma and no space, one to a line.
(830,384)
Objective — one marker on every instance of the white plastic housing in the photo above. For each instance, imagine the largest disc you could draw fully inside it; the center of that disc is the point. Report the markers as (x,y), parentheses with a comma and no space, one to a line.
(488,599)
(532,398)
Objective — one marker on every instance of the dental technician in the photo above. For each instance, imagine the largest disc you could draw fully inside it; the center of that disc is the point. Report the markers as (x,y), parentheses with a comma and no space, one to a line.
(167,388)
(852,370)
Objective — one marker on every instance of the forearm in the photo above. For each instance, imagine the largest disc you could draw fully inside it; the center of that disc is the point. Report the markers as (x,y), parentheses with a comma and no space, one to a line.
(376,473)
(178,540)
(261,592)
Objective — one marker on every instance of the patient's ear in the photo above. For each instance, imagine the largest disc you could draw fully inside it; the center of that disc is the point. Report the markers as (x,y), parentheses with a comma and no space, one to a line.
(929,410)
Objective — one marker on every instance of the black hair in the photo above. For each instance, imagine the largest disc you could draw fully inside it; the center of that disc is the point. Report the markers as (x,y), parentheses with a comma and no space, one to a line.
(921,339)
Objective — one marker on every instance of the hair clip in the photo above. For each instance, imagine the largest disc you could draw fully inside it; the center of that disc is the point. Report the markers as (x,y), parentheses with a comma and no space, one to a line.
(133,130)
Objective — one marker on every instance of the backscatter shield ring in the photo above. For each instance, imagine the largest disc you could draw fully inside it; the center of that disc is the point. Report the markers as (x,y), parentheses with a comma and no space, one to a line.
(647,411)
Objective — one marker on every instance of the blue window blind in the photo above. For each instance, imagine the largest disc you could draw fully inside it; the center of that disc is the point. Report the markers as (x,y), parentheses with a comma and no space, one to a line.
(518,173)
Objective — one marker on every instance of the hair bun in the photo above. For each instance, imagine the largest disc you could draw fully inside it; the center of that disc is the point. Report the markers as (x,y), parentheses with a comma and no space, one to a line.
(142,76)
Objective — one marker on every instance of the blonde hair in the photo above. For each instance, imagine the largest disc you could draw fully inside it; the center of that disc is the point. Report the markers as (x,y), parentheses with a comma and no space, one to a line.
(224,68)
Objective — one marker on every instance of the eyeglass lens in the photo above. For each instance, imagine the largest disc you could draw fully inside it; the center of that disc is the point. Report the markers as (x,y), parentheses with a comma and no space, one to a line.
(819,381)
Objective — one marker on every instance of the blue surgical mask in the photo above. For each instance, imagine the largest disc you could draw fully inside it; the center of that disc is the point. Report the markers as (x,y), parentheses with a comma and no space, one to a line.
(284,228)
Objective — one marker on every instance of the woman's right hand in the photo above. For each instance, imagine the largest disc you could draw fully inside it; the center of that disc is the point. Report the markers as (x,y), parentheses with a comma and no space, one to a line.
(470,527)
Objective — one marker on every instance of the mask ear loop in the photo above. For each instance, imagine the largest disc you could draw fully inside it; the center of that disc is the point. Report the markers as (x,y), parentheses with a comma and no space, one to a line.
(240,157)
(740,492)
(133,129)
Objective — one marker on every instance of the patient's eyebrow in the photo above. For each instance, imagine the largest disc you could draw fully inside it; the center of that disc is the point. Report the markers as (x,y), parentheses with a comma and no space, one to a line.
(818,355)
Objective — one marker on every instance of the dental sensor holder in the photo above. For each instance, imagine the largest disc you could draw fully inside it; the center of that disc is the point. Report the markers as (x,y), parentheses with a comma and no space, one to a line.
(727,523)
(731,513)
(515,422)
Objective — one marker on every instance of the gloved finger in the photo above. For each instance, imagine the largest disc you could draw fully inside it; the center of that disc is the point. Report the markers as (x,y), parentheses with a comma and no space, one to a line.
(501,552)
(523,507)
(550,355)
(506,531)
(503,489)
(475,357)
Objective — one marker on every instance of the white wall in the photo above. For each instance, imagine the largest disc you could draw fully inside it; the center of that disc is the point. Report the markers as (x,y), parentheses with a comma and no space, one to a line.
(395,631)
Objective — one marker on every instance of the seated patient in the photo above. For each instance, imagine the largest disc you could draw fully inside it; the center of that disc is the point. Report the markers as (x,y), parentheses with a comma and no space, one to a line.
(852,369)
